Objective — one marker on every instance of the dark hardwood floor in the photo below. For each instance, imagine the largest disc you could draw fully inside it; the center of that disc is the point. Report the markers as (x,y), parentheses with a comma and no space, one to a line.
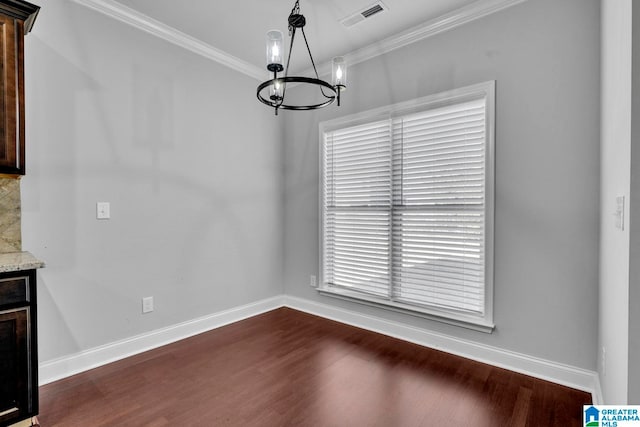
(287,368)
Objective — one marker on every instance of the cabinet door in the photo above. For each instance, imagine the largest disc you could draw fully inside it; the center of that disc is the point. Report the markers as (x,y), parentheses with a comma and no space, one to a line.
(11,96)
(14,365)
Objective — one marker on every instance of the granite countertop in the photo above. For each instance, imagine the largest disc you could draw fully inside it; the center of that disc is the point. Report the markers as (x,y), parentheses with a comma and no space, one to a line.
(18,261)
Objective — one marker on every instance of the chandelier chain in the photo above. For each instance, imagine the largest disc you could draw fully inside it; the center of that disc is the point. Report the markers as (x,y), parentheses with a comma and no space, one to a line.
(312,61)
(294,11)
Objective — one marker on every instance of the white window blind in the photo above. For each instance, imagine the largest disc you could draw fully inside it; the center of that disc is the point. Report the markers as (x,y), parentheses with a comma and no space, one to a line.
(438,213)
(358,208)
(405,213)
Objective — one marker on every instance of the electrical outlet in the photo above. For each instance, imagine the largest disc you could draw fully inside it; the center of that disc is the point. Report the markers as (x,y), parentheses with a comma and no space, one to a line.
(147,305)
(103,210)
(312,281)
(604,361)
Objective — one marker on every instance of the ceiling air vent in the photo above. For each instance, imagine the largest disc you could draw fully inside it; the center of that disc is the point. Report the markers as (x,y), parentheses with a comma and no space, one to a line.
(372,10)
(363,14)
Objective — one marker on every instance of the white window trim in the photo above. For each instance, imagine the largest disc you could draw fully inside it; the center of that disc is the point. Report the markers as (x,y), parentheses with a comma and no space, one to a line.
(486,90)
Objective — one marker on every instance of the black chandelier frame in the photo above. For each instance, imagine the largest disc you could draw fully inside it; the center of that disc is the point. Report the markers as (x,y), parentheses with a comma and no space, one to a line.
(276,100)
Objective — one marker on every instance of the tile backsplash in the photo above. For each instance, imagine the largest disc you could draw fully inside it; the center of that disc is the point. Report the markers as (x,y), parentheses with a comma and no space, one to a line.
(10,230)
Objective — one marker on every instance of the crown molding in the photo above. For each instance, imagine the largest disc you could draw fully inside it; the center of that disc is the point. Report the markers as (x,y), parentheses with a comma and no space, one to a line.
(448,21)
(129,16)
(22,10)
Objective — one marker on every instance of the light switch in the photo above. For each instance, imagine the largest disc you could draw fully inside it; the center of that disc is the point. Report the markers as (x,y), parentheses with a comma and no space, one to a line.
(103,210)
(619,214)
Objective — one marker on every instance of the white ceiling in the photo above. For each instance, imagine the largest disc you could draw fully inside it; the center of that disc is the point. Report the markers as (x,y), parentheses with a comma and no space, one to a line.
(238,28)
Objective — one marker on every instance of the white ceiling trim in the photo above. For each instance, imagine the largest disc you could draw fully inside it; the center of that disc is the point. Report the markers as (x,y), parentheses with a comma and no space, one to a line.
(147,24)
(448,21)
(464,15)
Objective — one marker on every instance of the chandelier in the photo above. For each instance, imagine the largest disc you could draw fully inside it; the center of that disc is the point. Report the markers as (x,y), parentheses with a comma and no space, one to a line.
(272,92)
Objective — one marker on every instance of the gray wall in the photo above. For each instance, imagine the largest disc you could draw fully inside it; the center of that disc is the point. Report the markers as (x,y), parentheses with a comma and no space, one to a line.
(191,164)
(545,57)
(198,210)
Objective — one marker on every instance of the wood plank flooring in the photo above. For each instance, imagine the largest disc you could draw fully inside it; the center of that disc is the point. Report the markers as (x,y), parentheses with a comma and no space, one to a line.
(287,368)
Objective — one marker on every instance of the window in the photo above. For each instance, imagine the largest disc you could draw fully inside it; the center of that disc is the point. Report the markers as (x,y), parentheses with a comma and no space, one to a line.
(407,207)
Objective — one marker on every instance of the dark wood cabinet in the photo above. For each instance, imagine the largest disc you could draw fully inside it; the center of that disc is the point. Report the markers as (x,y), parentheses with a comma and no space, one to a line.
(18,347)
(16,20)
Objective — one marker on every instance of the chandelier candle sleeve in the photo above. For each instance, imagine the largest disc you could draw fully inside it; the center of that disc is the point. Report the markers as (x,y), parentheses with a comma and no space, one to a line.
(339,72)
(274,51)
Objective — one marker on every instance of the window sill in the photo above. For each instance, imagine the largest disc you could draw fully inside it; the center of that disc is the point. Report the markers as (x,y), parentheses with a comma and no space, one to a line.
(462,320)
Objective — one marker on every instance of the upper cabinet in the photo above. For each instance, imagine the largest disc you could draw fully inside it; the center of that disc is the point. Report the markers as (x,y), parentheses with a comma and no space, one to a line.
(16,20)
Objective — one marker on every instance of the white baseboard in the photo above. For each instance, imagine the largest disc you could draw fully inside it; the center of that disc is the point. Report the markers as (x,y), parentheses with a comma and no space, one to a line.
(570,376)
(559,373)
(53,370)
(598,399)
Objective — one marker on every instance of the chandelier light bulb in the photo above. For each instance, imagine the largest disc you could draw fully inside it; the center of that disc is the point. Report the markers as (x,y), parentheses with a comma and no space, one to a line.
(276,91)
